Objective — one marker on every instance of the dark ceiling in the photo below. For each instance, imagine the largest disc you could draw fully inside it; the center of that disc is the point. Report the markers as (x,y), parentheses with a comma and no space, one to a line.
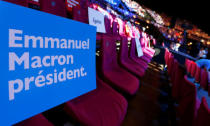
(195,11)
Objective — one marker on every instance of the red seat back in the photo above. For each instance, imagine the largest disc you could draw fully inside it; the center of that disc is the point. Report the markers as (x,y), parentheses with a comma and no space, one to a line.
(203,117)
(80,14)
(108,52)
(56,7)
(187,104)
(193,68)
(204,79)
(177,85)
(188,65)
(107,23)
(124,49)
(174,70)
(198,73)
(115,28)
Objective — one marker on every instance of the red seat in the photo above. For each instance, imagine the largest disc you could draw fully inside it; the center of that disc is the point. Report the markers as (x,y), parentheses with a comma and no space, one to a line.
(193,68)
(174,70)
(80,14)
(107,23)
(170,64)
(112,72)
(188,104)
(126,62)
(178,80)
(101,107)
(56,7)
(115,28)
(204,79)
(188,65)
(203,117)
(141,60)
(38,120)
(133,55)
(166,56)
(198,74)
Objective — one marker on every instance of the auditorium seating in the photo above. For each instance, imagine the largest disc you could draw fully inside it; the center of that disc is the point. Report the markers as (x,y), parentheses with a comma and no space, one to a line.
(188,104)
(56,7)
(112,72)
(126,62)
(143,59)
(203,116)
(38,120)
(204,79)
(101,107)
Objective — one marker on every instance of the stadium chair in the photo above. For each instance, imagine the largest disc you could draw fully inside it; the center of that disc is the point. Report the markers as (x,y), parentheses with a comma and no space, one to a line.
(126,62)
(115,75)
(142,60)
(188,104)
(101,107)
(56,7)
(204,79)
(203,116)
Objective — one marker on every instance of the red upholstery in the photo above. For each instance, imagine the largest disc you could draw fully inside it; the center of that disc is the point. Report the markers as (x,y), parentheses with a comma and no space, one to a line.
(112,72)
(198,73)
(101,107)
(177,85)
(108,25)
(170,64)
(115,28)
(80,14)
(188,103)
(204,79)
(19,2)
(174,70)
(126,62)
(133,56)
(193,68)
(166,56)
(203,117)
(38,120)
(209,89)
(188,65)
(56,7)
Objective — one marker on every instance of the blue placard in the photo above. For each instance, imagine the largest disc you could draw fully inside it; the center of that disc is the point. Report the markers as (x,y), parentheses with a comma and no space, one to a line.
(46,60)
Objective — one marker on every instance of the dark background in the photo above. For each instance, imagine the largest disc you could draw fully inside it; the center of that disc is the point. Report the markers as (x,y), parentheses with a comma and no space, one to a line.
(195,11)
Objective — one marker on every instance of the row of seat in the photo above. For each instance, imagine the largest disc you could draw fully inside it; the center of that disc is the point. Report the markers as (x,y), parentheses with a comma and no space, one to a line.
(190,109)
(103,106)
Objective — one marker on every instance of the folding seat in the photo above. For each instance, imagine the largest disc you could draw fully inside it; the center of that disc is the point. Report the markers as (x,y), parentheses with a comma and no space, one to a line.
(204,79)
(115,28)
(126,62)
(188,65)
(178,80)
(203,116)
(166,56)
(107,23)
(38,120)
(146,52)
(56,7)
(170,64)
(140,60)
(188,104)
(193,68)
(198,74)
(174,70)
(80,14)
(115,75)
(101,107)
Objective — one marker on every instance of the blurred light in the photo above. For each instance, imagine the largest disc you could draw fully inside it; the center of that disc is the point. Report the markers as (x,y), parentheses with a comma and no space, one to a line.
(202,40)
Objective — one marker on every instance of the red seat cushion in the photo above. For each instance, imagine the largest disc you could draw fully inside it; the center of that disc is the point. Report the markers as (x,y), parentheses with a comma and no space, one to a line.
(203,115)
(101,107)
(18,2)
